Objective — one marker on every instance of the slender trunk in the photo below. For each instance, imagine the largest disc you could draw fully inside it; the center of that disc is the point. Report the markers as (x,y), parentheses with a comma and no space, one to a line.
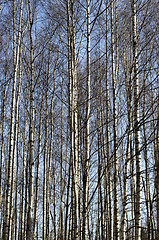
(26,195)
(147,192)
(22,201)
(67,206)
(125,172)
(132,163)
(15,213)
(67,231)
(2,138)
(109,215)
(45,164)
(74,133)
(52,151)
(101,142)
(37,175)
(54,180)
(86,161)
(80,157)
(157,157)
(129,154)
(136,127)
(98,233)
(31,134)
(116,200)
(48,193)
(61,169)
(18,112)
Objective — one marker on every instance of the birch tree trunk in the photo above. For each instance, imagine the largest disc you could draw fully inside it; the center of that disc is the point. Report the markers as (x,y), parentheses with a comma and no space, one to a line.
(54,179)
(37,174)
(116,161)
(101,139)
(31,133)
(15,204)
(67,228)
(147,190)
(48,180)
(52,143)
(21,221)
(2,138)
(61,170)
(109,221)
(157,157)
(136,127)
(74,131)
(86,161)
(129,154)
(45,160)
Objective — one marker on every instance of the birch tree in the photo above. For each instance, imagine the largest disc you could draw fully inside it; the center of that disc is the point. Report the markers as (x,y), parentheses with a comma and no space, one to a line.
(86,161)
(108,162)
(136,127)
(31,131)
(157,160)
(116,200)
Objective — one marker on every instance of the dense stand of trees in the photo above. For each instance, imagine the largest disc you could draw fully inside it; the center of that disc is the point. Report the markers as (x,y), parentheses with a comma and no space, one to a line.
(79,122)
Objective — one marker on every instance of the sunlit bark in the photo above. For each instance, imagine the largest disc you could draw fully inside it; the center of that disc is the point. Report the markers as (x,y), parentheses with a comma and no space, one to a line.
(116,161)
(136,126)
(86,160)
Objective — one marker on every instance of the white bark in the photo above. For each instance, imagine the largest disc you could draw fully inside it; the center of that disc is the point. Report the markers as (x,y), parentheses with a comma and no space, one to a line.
(116,161)
(31,133)
(86,161)
(37,174)
(136,127)
(157,157)
(2,137)
(74,132)
(109,219)
(45,161)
